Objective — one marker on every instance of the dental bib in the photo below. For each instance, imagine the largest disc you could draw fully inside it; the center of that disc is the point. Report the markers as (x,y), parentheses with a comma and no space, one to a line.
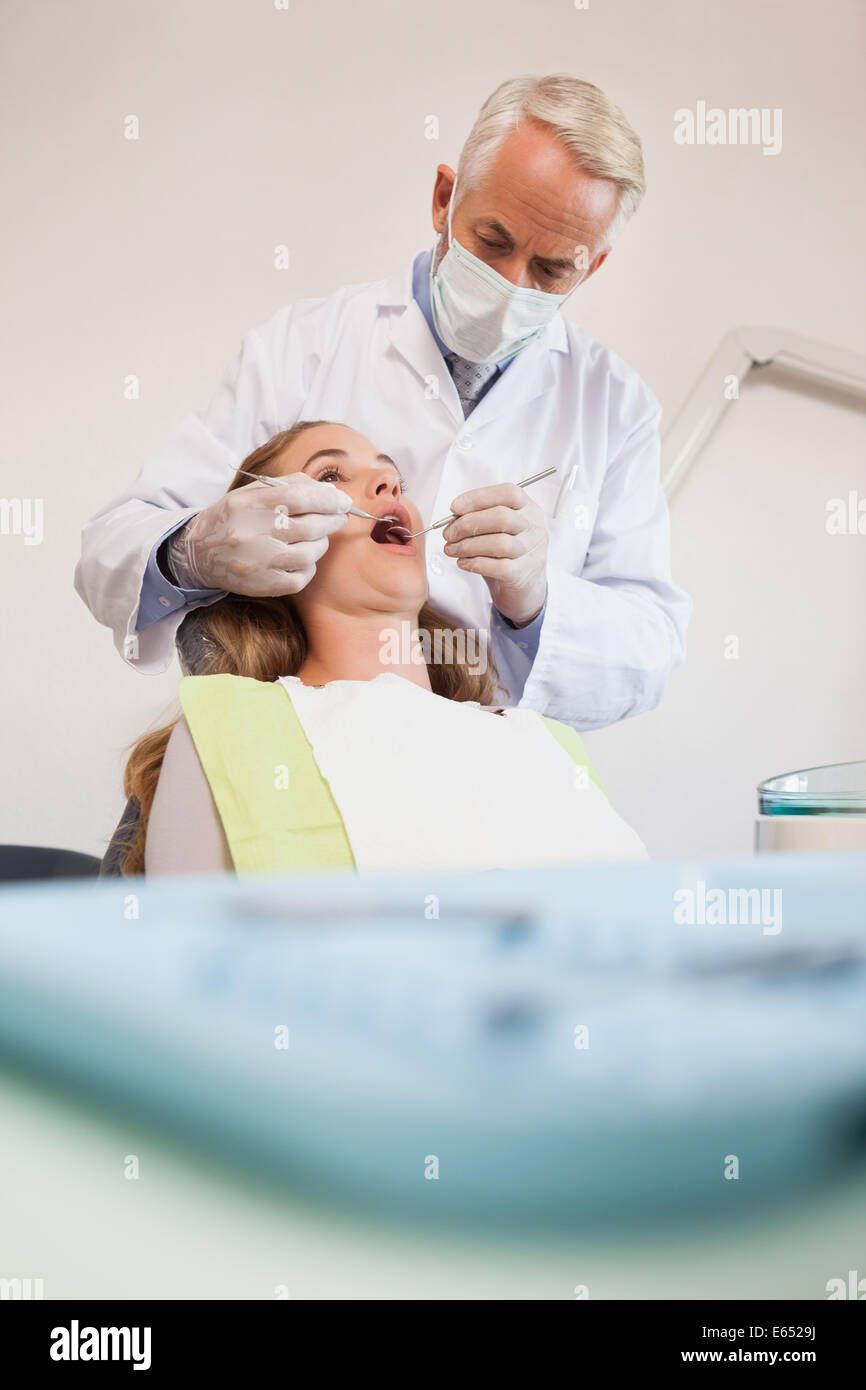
(421,781)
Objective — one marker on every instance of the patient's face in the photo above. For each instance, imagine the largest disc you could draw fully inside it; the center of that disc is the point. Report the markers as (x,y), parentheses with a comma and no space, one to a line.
(358,572)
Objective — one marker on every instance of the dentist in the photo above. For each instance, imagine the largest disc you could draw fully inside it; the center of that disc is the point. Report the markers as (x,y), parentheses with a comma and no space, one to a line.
(466,370)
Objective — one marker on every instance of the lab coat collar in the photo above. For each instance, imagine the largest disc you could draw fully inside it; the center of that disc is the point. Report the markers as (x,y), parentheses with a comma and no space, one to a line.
(530,373)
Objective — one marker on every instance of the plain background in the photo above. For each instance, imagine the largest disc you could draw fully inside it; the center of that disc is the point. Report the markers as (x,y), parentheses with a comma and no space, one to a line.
(261,126)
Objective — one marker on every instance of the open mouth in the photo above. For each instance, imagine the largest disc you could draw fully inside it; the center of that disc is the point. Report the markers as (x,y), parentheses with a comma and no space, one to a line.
(389,531)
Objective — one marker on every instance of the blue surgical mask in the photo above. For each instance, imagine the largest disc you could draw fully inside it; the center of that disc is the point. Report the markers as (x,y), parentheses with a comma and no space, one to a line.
(478,313)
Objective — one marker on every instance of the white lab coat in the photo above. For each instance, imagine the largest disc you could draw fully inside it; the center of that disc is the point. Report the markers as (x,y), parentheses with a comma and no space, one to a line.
(614,625)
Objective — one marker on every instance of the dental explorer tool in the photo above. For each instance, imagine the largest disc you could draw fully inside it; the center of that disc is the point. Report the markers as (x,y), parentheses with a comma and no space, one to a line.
(536,477)
(350,511)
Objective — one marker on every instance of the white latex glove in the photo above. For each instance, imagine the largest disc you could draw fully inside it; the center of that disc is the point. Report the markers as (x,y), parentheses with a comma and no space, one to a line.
(501,533)
(259,540)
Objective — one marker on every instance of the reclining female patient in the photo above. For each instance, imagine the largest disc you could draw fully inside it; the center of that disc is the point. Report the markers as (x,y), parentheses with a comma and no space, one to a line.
(321,737)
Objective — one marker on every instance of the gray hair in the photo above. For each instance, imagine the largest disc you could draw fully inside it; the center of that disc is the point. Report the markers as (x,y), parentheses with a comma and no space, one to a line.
(587,123)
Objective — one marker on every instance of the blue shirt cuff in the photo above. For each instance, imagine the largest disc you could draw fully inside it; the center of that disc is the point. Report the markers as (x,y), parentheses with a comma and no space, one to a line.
(159,596)
(526,638)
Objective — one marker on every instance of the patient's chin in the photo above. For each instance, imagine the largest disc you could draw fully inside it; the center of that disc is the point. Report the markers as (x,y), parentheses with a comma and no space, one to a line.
(392,568)
(407,590)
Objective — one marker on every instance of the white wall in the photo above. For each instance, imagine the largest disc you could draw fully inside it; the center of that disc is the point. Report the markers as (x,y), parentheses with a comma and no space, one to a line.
(775,677)
(260,126)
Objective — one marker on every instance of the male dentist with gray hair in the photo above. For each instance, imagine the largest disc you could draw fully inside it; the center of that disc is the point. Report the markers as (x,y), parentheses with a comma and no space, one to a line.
(465,371)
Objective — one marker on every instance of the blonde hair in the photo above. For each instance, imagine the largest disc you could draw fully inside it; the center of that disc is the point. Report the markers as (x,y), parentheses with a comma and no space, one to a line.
(579,115)
(262,638)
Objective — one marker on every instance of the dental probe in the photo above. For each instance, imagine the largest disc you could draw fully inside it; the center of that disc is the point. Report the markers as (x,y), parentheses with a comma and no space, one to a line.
(351,511)
(536,477)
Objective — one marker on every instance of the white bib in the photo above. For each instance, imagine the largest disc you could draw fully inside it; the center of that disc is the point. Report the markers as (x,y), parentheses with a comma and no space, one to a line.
(426,782)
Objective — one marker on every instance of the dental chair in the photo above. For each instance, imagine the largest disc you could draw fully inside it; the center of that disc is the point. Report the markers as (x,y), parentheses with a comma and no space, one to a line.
(193,652)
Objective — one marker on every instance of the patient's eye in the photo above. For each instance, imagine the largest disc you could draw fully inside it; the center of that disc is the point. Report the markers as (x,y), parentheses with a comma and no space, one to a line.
(331,474)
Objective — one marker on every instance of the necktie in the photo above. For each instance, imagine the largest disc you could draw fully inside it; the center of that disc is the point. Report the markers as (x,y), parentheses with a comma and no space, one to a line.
(470,378)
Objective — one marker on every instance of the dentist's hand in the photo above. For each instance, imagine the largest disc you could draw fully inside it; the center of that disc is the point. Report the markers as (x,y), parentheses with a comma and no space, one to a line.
(500,534)
(259,540)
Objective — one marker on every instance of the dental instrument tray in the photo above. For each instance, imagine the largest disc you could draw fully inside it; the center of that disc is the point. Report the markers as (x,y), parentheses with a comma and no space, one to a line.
(532,1045)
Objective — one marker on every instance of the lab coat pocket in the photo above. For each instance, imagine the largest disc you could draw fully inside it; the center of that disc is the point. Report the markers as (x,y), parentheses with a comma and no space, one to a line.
(570,515)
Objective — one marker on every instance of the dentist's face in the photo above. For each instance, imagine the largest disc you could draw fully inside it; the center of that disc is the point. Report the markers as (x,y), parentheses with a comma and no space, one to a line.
(364,568)
(534,216)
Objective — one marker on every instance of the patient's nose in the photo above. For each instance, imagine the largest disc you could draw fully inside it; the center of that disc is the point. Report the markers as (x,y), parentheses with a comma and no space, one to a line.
(389,485)
(385,485)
